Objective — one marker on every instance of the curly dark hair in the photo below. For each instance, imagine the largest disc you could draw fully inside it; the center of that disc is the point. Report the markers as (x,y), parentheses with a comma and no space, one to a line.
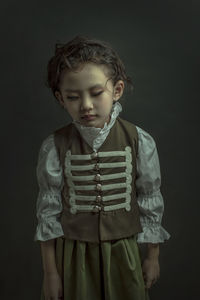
(82,49)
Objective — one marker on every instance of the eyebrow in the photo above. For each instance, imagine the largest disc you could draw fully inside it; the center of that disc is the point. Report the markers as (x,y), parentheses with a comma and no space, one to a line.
(92,87)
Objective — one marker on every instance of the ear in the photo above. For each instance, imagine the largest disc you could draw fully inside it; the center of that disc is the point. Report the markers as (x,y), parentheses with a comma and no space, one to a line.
(59,97)
(118,90)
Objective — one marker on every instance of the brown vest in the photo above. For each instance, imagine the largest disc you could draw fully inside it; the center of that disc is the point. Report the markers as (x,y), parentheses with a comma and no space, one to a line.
(99,194)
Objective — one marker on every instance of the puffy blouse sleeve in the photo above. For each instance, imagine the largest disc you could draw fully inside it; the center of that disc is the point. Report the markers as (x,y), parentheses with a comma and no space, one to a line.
(50,181)
(149,197)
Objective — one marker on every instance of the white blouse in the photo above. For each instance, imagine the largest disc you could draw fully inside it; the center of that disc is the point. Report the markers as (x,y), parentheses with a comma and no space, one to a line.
(148,181)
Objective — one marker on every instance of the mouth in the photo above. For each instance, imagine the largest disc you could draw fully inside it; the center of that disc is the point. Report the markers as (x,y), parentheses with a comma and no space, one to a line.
(88,117)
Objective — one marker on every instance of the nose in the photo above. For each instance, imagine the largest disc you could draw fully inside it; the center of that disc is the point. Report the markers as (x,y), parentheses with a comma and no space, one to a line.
(86,104)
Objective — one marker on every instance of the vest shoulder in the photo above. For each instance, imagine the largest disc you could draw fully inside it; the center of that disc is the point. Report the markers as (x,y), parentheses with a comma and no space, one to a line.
(127,124)
(64,130)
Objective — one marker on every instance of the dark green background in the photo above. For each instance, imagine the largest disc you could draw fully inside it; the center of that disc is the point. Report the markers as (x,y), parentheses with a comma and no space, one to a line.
(158,42)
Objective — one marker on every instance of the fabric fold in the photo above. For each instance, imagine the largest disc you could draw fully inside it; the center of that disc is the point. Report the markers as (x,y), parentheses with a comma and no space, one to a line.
(149,197)
(96,136)
(151,212)
(152,233)
(48,228)
(49,202)
(49,208)
(96,270)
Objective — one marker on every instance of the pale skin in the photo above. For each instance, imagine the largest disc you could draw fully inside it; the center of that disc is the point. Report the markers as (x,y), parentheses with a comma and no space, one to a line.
(94,96)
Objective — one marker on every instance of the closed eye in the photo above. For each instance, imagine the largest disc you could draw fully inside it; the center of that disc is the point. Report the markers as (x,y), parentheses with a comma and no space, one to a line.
(71,98)
(94,95)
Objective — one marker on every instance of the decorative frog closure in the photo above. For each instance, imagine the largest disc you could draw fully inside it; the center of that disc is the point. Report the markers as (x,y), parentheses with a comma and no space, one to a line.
(104,186)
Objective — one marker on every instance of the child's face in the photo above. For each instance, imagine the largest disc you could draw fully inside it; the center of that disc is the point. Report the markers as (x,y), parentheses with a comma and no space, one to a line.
(86,95)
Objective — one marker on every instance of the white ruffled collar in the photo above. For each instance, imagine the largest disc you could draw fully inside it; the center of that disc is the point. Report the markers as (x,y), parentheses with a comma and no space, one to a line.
(96,136)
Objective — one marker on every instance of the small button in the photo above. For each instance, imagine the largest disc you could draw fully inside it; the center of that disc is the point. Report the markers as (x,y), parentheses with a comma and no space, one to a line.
(94,155)
(96,167)
(98,198)
(98,186)
(96,208)
(98,177)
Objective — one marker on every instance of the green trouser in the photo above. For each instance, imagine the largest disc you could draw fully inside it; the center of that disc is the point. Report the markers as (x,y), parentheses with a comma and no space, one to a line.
(106,271)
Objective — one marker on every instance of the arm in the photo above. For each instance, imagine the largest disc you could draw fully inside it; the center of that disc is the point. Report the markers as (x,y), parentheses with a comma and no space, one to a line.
(153,251)
(52,283)
(48,256)
(150,266)
(49,208)
(151,205)
(49,202)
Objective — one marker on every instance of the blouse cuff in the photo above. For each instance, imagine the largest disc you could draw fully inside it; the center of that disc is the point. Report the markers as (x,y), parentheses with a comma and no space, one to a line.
(153,233)
(48,229)
(49,208)
(151,208)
